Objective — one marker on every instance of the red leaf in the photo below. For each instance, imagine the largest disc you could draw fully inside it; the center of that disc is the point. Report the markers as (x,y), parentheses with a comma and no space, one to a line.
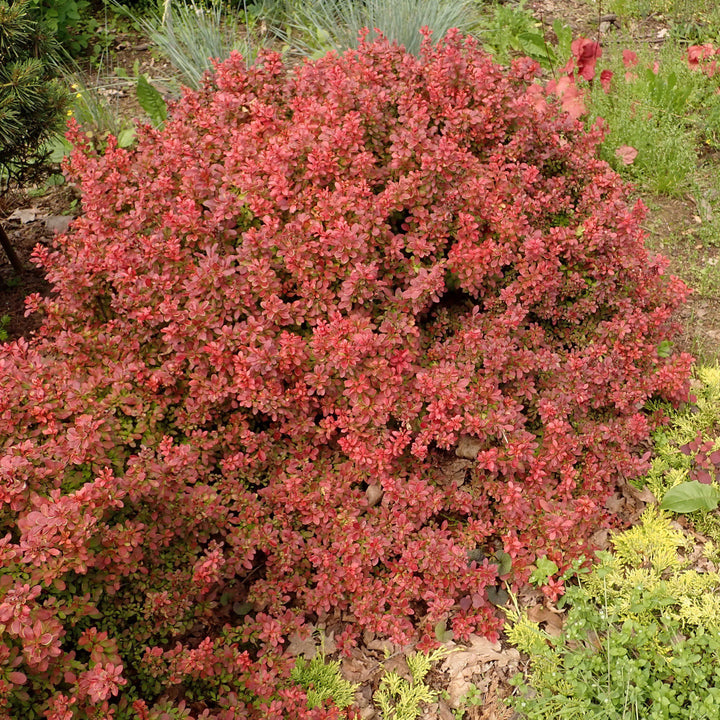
(702,476)
(586,53)
(630,59)
(605,78)
(627,154)
(570,96)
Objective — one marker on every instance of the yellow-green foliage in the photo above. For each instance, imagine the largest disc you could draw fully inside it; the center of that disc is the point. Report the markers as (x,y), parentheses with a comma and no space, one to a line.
(653,544)
(322,681)
(642,636)
(645,560)
(671,466)
(399,699)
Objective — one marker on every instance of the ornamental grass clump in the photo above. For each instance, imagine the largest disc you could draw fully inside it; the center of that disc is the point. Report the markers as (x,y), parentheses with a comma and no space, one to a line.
(272,326)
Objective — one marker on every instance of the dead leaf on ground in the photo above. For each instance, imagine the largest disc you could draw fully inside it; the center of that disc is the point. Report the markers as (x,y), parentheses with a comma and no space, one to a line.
(384,646)
(358,668)
(615,503)
(643,496)
(309,643)
(439,710)
(492,707)
(27,215)
(601,539)
(553,621)
(468,447)
(456,471)
(398,664)
(478,667)
(305,646)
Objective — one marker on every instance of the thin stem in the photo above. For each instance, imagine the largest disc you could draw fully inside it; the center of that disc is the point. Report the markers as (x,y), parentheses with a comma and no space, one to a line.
(10,251)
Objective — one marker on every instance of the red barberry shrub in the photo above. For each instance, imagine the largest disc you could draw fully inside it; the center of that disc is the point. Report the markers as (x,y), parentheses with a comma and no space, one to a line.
(272,326)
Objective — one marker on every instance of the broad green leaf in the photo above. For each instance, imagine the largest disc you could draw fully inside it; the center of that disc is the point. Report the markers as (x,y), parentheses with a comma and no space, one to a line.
(58,147)
(55,179)
(126,137)
(664,349)
(563,33)
(497,595)
(534,45)
(504,562)
(151,101)
(689,497)
(442,634)
(544,569)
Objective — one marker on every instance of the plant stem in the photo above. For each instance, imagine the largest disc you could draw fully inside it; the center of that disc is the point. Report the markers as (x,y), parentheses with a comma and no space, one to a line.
(10,251)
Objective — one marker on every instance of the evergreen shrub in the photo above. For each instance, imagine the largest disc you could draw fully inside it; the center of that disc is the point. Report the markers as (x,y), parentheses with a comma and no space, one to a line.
(272,327)
(32,100)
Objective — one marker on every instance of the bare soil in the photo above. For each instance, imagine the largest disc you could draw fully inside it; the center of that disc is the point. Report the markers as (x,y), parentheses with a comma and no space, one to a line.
(28,221)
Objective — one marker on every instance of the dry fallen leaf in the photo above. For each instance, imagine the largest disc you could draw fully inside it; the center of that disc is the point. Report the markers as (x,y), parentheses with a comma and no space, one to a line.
(465,660)
(26,215)
(398,664)
(358,668)
(553,621)
(483,646)
(600,539)
(457,470)
(644,495)
(305,646)
(373,494)
(457,689)
(615,503)
(468,447)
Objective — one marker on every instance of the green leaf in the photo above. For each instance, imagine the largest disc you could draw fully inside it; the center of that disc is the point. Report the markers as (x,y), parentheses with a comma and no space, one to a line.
(664,349)
(126,137)
(442,633)
(497,595)
(563,33)
(55,179)
(59,147)
(534,45)
(504,562)
(151,101)
(242,608)
(689,497)
(544,568)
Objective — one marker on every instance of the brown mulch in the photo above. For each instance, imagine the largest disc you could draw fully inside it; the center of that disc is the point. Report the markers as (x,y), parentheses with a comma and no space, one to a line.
(28,220)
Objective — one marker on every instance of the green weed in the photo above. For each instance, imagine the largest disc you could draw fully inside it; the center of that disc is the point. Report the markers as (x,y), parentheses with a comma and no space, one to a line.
(676,462)
(688,9)
(509,31)
(653,112)
(641,638)
(4,322)
(95,109)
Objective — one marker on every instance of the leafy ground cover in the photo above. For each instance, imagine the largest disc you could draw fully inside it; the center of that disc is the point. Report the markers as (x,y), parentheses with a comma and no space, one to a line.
(681,223)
